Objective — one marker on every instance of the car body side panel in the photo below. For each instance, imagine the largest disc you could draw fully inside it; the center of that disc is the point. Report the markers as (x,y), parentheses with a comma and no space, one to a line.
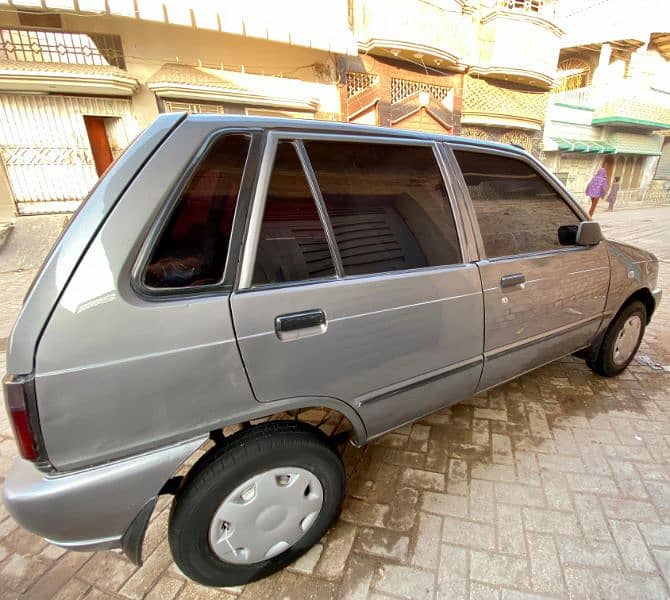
(383,333)
(117,374)
(558,309)
(632,269)
(67,251)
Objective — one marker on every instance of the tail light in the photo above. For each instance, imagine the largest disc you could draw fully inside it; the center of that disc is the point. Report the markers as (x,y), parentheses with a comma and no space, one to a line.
(22,410)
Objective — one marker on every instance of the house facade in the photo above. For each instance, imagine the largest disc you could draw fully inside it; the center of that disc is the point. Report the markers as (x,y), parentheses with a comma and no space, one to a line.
(79,79)
(611,105)
(481,68)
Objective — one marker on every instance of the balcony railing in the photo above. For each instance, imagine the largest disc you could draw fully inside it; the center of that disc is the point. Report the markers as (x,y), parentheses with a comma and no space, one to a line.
(627,100)
(483,101)
(55,46)
(541,8)
(586,97)
(413,26)
(593,95)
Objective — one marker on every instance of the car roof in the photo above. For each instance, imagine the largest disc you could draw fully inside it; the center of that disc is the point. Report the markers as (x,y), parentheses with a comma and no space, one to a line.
(316,126)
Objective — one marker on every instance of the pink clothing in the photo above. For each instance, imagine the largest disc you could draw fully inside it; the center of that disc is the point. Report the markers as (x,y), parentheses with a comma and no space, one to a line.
(598,185)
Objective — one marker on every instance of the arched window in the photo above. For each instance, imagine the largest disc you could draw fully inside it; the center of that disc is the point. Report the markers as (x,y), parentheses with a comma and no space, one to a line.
(573,73)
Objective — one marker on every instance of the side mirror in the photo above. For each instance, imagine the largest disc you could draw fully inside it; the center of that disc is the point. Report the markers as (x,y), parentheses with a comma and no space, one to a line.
(588,234)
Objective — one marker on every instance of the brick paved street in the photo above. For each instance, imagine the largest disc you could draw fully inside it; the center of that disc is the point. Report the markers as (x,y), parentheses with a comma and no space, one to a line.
(554,485)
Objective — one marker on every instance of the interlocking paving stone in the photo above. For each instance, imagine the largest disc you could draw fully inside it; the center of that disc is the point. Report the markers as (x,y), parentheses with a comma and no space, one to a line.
(631,546)
(406,582)
(550,521)
(333,559)
(545,569)
(452,576)
(444,504)
(467,533)
(358,578)
(384,543)
(591,518)
(499,569)
(427,546)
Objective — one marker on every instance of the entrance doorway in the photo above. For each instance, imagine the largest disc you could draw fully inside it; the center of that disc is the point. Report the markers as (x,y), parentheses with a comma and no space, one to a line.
(97,137)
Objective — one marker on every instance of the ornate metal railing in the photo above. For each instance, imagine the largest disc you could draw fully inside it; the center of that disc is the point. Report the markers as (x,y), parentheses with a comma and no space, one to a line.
(545,8)
(55,46)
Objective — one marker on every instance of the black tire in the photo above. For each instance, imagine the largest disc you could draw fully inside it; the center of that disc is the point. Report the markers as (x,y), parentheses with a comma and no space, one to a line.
(220,471)
(604,362)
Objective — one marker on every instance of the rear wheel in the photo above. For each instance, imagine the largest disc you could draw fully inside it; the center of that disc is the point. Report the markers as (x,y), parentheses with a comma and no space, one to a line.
(256,504)
(621,341)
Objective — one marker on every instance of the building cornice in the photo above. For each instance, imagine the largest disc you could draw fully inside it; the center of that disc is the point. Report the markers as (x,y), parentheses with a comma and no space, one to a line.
(215,94)
(454,62)
(71,83)
(513,74)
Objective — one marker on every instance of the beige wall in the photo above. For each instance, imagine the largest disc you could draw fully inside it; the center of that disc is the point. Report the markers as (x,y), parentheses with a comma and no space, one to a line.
(7,208)
(580,169)
(147,46)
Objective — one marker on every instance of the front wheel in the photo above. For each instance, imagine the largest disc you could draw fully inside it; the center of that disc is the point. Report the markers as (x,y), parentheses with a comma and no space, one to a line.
(256,504)
(621,341)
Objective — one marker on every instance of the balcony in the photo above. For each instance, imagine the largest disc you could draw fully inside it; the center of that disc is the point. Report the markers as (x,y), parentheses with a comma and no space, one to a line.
(519,42)
(34,60)
(626,104)
(496,106)
(304,23)
(434,33)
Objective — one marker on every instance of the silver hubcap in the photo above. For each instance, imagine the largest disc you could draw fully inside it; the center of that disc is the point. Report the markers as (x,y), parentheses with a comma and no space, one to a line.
(266,515)
(625,343)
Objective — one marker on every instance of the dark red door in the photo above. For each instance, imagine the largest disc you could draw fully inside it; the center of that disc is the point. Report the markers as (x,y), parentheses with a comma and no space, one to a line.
(97,136)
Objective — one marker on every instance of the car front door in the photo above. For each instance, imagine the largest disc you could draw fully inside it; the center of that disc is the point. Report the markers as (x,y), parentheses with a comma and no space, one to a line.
(354,284)
(544,296)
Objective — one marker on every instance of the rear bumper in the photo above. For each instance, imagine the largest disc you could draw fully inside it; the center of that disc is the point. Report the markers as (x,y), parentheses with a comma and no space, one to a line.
(92,508)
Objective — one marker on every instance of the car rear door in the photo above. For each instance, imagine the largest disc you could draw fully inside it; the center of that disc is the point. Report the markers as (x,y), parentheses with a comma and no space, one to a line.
(356,282)
(544,296)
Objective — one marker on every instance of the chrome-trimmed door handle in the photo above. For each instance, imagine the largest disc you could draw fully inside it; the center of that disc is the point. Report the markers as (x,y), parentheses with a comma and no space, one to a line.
(512,280)
(301,324)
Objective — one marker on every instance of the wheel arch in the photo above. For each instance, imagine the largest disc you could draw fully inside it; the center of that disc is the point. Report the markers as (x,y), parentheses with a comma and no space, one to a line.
(270,410)
(134,537)
(645,296)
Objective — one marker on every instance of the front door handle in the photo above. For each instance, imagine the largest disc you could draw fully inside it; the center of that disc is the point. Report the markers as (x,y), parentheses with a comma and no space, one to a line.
(301,324)
(512,280)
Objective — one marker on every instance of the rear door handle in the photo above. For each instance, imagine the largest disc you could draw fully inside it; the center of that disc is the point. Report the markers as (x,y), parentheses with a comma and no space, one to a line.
(512,280)
(301,324)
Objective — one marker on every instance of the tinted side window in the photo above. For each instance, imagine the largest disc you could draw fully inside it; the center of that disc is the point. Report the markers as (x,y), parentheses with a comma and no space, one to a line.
(192,248)
(292,244)
(517,210)
(387,204)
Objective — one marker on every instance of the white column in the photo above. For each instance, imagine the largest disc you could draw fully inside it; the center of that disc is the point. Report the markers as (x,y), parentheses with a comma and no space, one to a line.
(600,74)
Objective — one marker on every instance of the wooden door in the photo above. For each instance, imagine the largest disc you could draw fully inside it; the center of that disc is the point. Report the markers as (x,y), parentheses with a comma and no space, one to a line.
(97,136)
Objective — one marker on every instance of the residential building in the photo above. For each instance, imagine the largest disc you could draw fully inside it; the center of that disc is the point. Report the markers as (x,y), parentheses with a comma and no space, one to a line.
(611,106)
(79,79)
(481,68)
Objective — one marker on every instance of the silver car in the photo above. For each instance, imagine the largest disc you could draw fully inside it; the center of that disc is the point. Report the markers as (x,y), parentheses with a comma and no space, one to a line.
(229,269)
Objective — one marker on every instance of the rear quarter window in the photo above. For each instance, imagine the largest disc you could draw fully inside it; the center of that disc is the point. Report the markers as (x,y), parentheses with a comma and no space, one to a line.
(192,248)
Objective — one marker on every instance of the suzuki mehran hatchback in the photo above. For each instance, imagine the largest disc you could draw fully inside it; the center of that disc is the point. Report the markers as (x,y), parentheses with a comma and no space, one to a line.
(229,269)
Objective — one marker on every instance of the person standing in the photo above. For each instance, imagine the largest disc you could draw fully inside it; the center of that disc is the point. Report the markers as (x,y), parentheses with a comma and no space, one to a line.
(596,189)
(613,193)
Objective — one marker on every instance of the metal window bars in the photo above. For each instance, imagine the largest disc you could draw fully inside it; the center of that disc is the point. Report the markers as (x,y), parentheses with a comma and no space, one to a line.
(61,47)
